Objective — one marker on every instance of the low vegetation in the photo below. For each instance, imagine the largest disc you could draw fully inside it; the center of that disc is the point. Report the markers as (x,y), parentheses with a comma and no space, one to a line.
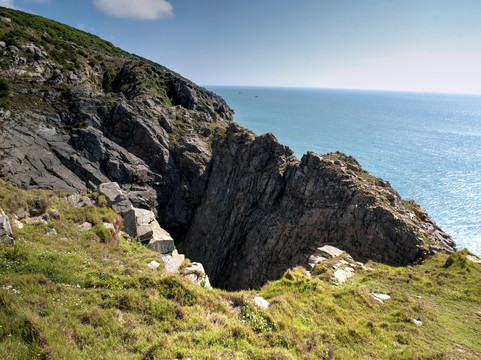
(89,294)
(4,93)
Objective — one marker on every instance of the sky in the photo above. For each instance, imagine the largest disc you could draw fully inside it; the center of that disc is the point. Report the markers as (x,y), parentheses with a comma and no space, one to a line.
(408,45)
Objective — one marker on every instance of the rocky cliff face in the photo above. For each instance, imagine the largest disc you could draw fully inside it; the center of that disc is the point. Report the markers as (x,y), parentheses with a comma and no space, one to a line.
(264,211)
(241,204)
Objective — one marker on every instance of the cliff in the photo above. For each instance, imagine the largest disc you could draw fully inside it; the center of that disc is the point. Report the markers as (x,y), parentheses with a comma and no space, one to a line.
(82,112)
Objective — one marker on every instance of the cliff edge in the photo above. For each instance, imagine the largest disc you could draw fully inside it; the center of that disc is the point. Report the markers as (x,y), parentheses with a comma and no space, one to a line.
(82,112)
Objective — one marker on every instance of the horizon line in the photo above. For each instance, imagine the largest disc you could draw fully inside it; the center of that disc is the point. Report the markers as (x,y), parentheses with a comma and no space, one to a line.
(352,89)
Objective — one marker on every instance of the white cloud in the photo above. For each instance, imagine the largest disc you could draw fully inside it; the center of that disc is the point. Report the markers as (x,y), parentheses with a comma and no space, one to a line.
(7,3)
(138,9)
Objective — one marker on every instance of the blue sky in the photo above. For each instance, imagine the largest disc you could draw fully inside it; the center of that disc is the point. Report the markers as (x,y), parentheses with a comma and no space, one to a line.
(420,45)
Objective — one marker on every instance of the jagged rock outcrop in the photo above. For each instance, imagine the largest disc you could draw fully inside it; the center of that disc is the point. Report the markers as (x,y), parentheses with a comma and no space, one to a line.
(141,223)
(264,212)
(138,222)
(241,204)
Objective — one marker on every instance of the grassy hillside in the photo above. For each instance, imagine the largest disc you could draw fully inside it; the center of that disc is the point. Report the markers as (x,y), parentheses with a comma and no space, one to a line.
(88,294)
(94,63)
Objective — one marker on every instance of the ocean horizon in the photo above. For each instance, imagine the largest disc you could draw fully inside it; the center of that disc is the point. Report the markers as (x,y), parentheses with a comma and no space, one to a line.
(427,145)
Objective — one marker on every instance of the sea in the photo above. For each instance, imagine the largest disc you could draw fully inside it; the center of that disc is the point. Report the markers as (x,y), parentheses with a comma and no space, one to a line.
(427,145)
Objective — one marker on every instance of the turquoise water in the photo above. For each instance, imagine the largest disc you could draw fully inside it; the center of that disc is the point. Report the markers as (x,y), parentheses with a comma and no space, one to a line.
(428,146)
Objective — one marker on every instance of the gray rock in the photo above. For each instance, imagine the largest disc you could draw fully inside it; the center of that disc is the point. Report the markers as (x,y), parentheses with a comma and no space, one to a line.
(380,297)
(264,212)
(196,274)
(145,233)
(172,261)
(5,229)
(51,233)
(76,201)
(341,275)
(322,254)
(12,49)
(56,78)
(314,260)
(121,205)
(143,216)
(110,227)
(153,264)
(329,251)
(55,214)
(161,242)
(45,217)
(21,214)
(86,226)
(2,44)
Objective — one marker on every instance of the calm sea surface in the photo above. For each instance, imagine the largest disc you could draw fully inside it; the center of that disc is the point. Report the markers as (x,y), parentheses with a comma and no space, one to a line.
(428,146)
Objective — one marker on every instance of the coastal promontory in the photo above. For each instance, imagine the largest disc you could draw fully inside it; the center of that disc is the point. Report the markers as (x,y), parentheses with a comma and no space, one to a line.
(77,113)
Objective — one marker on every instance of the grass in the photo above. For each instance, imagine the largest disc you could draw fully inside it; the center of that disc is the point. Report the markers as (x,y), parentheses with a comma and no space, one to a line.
(90,295)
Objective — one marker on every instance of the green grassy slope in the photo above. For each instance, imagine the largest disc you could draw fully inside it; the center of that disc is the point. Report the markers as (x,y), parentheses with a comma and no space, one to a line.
(90,295)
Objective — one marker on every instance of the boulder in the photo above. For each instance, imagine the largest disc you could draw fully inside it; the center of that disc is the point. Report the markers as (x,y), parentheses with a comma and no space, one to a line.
(144,219)
(172,261)
(314,260)
(21,214)
(145,233)
(196,274)
(151,234)
(143,216)
(161,240)
(86,226)
(329,251)
(121,204)
(322,254)
(76,201)
(341,275)
(5,229)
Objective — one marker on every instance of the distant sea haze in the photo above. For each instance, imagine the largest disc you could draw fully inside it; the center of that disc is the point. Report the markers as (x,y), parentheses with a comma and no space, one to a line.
(428,146)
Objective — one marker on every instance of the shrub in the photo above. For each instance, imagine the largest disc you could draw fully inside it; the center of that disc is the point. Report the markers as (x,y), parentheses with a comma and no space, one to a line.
(4,88)
(457,260)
